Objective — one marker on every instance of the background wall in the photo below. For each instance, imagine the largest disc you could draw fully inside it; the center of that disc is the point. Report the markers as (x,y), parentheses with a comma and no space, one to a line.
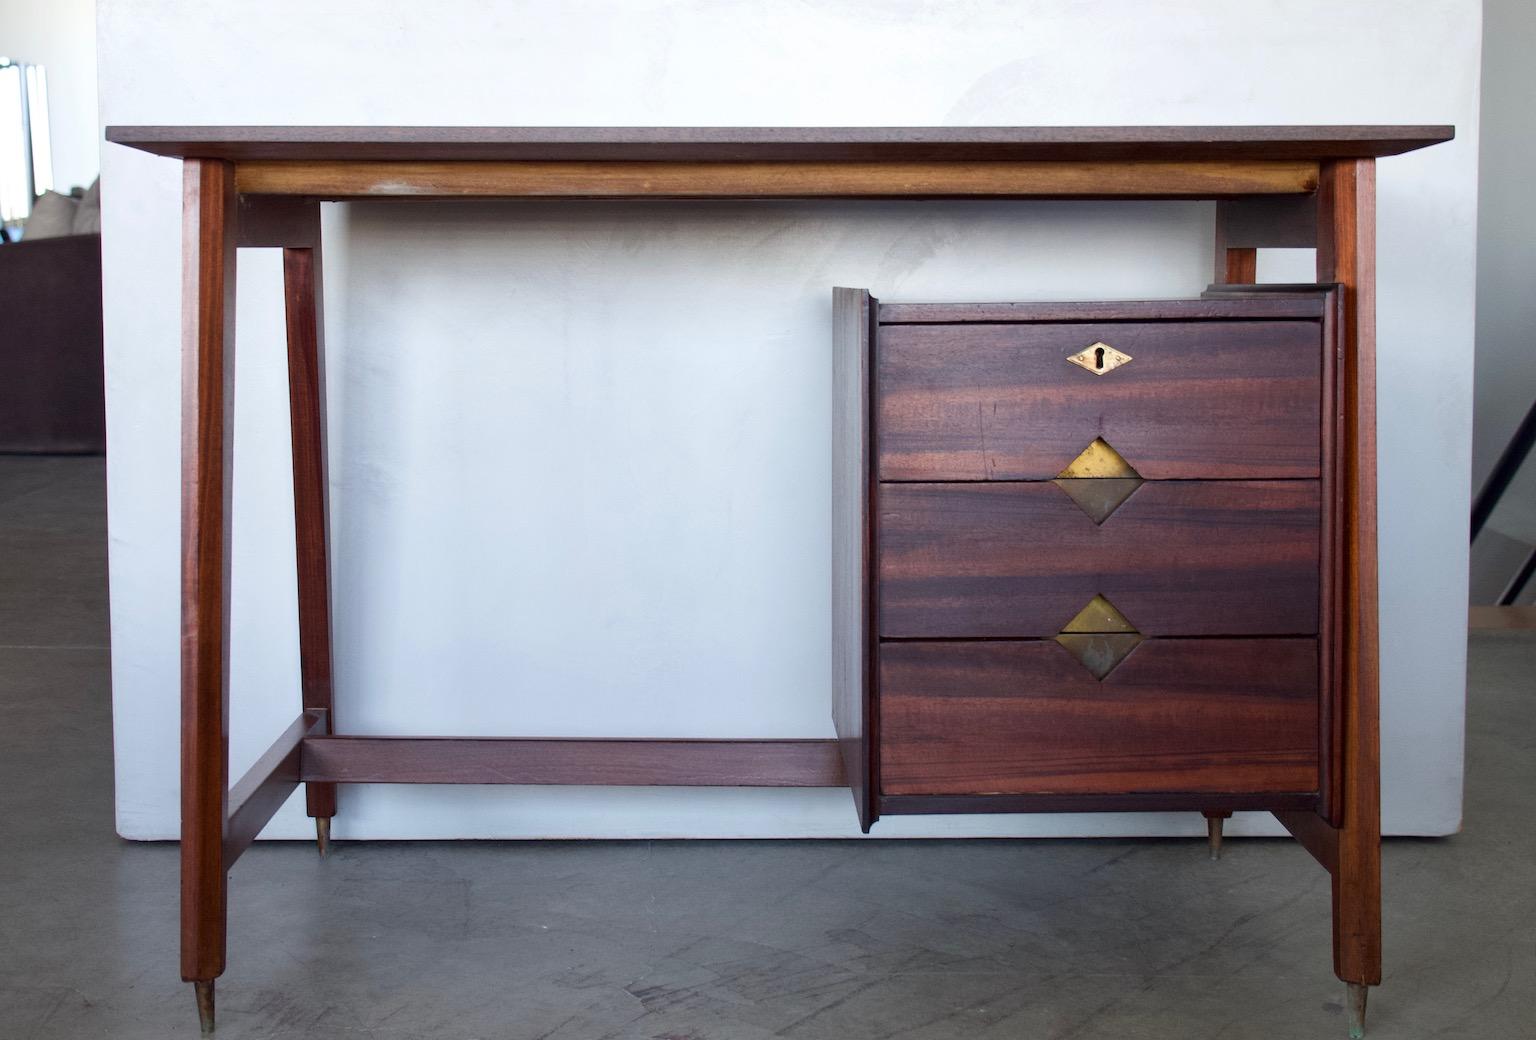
(1506,287)
(580,453)
(61,36)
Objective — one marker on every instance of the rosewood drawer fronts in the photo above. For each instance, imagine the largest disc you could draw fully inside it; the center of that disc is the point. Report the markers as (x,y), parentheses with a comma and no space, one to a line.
(1177,558)
(1230,716)
(1209,399)
(1096,548)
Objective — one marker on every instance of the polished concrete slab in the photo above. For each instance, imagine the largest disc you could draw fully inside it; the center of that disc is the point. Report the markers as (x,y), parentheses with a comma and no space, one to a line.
(709,940)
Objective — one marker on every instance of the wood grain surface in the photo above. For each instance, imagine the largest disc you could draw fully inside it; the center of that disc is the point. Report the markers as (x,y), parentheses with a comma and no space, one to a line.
(1178,715)
(1197,400)
(257,796)
(1127,801)
(853,491)
(1000,179)
(1021,559)
(633,763)
(311,488)
(1241,265)
(1216,307)
(1330,298)
(776,144)
(1346,254)
(207,434)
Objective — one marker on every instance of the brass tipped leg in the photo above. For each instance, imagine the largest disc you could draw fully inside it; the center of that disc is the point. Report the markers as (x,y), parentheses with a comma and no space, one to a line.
(323,835)
(1355,1007)
(204,992)
(1213,825)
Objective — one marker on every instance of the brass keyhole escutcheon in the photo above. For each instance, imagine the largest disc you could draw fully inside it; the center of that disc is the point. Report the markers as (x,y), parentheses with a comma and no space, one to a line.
(1099,358)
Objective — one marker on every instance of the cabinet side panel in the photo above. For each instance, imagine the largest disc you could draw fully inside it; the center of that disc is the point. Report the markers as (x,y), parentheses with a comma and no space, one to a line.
(851,541)
(1331,605)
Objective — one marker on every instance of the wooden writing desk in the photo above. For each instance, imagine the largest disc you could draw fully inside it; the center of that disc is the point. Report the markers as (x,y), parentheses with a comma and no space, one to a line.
(261,187)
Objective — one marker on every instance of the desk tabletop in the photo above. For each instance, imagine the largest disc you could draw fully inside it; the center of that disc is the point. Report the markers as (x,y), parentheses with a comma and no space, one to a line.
(775,144)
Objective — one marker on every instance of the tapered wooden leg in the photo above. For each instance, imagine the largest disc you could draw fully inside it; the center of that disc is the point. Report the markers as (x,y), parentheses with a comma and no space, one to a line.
(1346,255)
(208,314)
(306,397)
(1213,825)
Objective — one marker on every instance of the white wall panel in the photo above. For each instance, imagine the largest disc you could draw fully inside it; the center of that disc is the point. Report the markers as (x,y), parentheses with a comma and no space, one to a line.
(580,452)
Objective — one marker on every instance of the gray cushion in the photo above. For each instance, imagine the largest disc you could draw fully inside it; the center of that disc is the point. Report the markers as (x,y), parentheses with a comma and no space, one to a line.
(88,213)
(53,216)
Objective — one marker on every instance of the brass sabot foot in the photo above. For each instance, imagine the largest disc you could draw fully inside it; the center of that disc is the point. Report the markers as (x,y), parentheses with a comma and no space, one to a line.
(204,991)
(1355,1007)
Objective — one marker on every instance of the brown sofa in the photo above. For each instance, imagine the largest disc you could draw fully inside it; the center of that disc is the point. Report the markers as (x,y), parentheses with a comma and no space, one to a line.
(51,397)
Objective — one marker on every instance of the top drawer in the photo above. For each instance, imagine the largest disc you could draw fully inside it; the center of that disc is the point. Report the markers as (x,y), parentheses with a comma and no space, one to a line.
(1199,399)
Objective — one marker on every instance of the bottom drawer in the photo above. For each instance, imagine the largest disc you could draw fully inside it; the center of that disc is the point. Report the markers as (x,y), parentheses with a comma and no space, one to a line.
(1236,716)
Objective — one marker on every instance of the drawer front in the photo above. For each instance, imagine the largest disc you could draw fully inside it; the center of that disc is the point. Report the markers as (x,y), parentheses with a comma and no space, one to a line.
(1020,560)
(1025,718)
(1213,399)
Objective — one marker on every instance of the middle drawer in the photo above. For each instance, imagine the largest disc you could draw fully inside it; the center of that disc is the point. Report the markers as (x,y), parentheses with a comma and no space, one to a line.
(1177,558)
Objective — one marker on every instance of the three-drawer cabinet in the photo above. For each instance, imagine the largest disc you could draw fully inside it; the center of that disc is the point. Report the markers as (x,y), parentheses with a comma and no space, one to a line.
(1083,554)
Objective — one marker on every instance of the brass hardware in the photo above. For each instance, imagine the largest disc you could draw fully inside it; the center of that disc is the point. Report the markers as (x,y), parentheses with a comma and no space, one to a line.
(1099,616)
(1101,497)
(1099,480)
(1100,358)
(1100,460)
(1100,637)
(1100,653)
(203,989)
(1213,825)
(1355,1007)
(323,835)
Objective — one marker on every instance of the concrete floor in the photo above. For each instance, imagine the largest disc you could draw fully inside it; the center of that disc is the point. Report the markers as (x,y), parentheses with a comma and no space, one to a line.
(709,940)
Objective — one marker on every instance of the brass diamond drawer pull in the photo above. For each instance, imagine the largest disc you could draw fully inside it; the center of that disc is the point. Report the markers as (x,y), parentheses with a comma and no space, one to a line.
(1099,480)
(1100,637)
(1099,358)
